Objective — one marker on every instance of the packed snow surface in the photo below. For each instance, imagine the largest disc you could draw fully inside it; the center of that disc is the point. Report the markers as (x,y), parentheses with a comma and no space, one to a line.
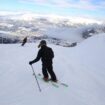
(81,67)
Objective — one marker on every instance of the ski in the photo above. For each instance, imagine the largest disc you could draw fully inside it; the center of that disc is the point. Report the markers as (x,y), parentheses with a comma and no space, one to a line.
(56,84)
(63,84)
(52,83)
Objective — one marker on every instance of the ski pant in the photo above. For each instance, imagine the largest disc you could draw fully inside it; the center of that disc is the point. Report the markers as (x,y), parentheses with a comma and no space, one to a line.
(48,69)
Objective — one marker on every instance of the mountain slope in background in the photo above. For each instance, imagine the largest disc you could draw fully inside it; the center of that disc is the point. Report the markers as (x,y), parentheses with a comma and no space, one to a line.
(81,67)
(69,29)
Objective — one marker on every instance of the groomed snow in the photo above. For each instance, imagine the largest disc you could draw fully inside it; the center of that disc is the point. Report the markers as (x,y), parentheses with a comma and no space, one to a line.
(81,67)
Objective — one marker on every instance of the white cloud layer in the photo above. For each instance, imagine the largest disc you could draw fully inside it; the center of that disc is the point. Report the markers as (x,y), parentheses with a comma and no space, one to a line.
(78,4)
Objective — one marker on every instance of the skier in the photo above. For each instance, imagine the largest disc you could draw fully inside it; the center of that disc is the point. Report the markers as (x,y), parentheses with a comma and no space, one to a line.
(24,41)
(46,55)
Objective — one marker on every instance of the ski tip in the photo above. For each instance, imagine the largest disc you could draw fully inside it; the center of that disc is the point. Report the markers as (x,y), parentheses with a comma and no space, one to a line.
(65,85)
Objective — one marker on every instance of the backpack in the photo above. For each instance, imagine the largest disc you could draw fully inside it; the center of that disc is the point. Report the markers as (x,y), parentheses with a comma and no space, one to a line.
(48,53)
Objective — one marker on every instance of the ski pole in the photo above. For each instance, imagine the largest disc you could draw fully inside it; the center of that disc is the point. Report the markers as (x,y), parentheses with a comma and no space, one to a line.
(36,78)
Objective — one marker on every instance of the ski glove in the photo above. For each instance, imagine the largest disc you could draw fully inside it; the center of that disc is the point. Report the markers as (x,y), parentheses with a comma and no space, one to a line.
(30,63)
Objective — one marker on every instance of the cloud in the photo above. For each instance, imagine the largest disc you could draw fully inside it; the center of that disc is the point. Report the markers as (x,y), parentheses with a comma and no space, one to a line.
(76,4)
(36,2)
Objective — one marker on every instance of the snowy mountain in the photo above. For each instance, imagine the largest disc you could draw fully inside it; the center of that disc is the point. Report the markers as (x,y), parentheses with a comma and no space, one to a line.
(56,29)
(81,67)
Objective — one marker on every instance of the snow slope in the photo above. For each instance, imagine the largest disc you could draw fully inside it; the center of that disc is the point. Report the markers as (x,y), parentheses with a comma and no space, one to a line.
(81,67)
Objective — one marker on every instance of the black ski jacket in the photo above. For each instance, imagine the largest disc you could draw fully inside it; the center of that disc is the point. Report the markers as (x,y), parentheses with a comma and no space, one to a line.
(46,54)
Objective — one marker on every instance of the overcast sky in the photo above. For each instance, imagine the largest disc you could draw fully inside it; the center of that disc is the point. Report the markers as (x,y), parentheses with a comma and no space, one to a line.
(86,8)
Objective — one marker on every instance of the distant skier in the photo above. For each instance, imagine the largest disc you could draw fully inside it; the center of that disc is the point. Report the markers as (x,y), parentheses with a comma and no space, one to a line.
(24,41)
(46,55)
